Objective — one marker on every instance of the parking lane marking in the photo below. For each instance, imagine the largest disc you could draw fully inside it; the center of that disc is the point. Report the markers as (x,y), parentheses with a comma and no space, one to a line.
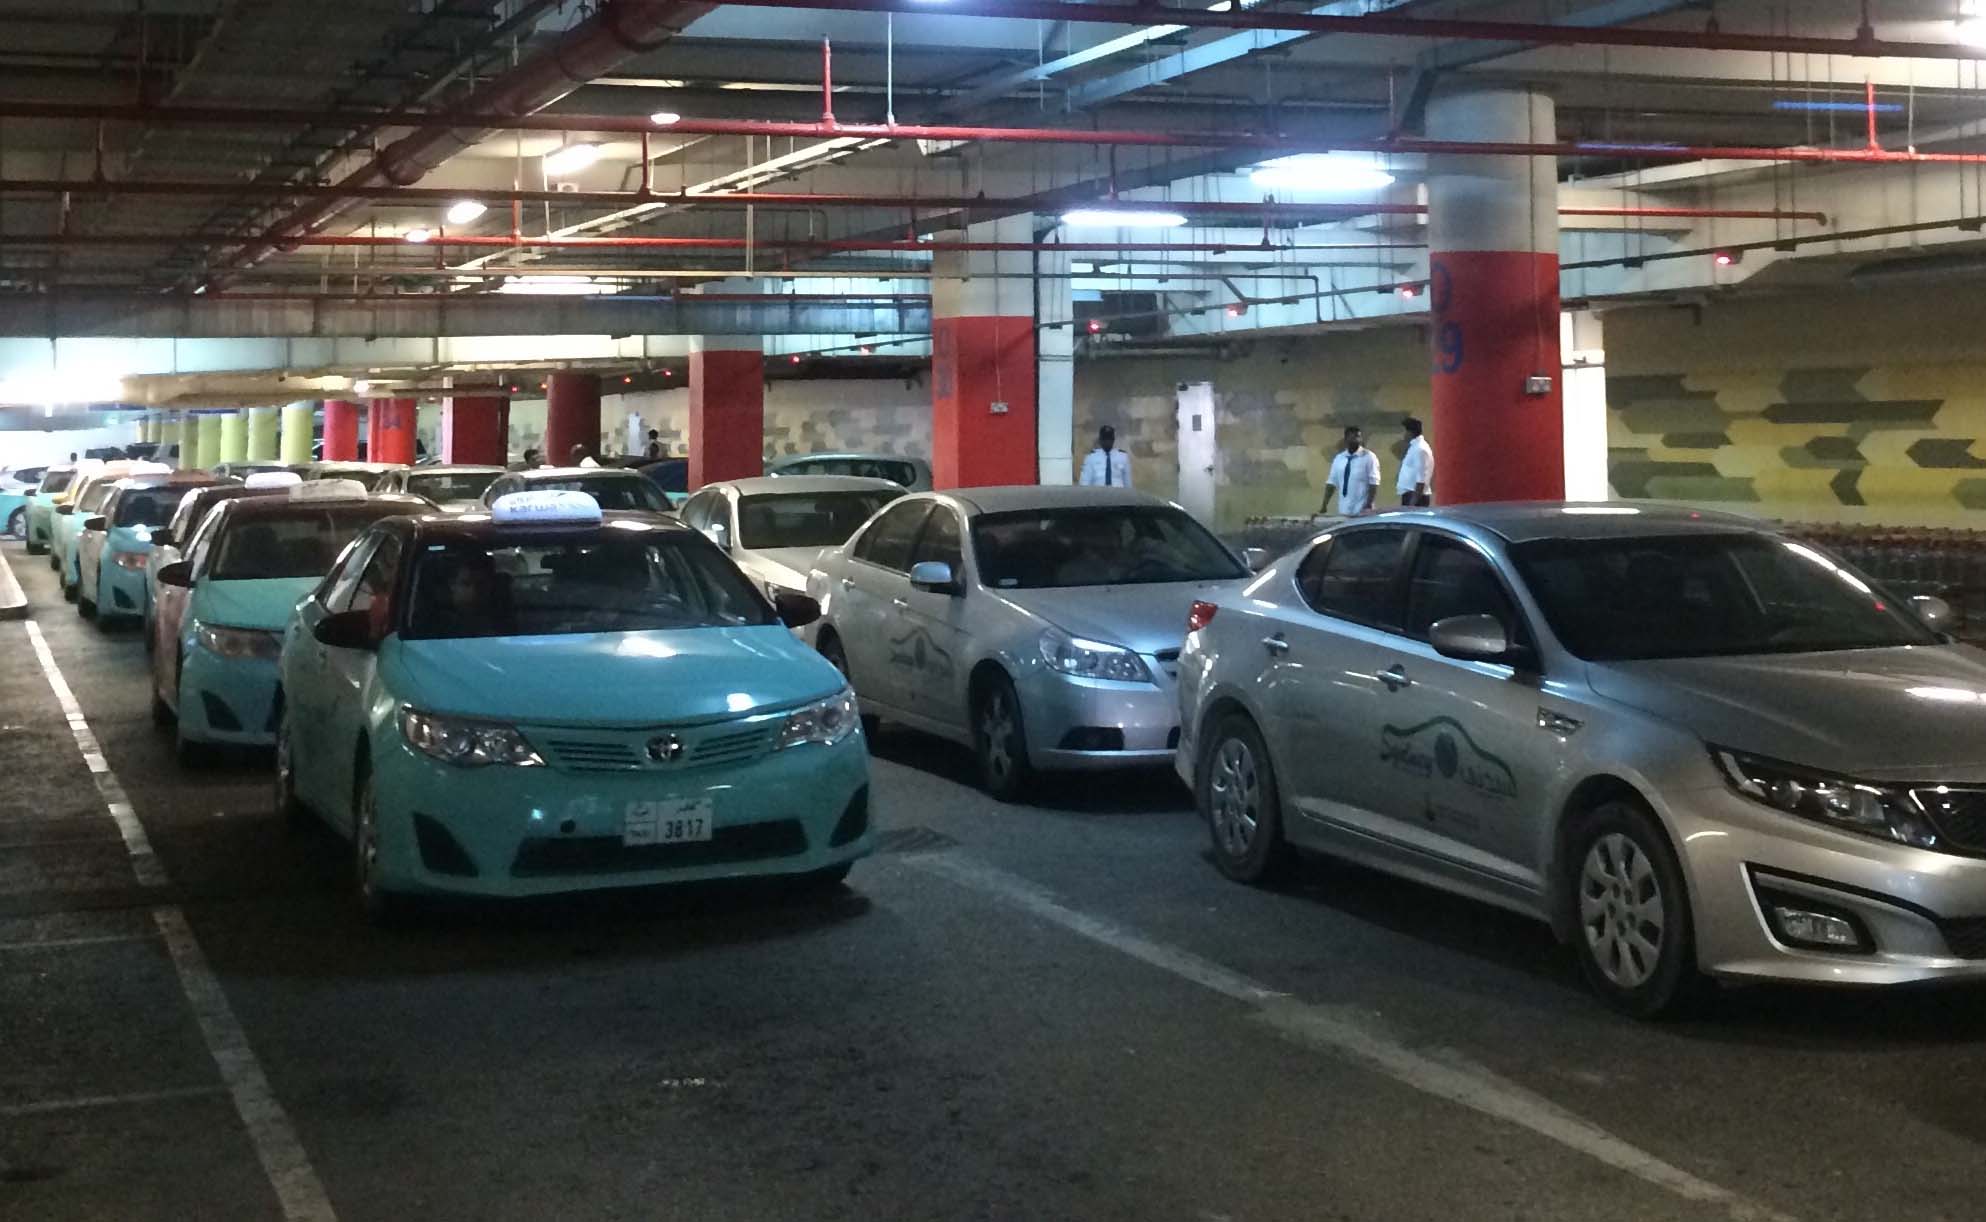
(1445,1074)
(144,863)
(65,943)
(82,1102)
(274,1138)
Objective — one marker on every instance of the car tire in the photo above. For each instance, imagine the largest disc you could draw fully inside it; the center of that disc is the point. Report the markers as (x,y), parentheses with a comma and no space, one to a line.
(85,607)
(1239,798)
(70,590)
(17,523)
(288,805)
(1631,923)
(837,657)
(162,715)
(999,737)
(36,549)
(380,907)
(190,753)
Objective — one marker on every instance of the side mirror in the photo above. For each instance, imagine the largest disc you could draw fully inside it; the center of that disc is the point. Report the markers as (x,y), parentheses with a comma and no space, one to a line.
(161,537)
(99,522)
(935,577)
(720,534)
(345,630)
(1256,558)
(69,508)
(1935,612)
(796,610)
(179,573)
(1472,638)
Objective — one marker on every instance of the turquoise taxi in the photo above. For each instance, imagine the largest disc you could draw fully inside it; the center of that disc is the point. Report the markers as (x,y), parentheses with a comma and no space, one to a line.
(52,491)
(91,490)
(254,557)
(116,545)
(545,697)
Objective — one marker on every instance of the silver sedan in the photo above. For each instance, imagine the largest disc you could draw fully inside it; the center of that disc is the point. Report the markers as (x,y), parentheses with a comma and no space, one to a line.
(776,528)
(1040,626)
(1692,745)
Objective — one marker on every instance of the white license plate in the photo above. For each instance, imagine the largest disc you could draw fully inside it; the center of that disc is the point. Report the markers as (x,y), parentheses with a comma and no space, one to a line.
(669,821)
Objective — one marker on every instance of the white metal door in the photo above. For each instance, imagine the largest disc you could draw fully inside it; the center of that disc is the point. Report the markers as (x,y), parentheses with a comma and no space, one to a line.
(1197,455)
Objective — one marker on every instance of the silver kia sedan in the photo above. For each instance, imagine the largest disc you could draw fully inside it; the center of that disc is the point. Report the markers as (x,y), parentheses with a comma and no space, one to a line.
(1040,626)
(776,528)
(1692,745)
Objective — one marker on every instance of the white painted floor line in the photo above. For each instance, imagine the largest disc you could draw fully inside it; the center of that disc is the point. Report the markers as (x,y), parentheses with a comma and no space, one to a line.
(144,863)
(65,943)
(277,1146)
(88,1101)
(56,842)
(1442,1073)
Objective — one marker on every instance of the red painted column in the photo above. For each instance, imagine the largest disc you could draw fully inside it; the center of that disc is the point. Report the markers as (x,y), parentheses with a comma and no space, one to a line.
(341,430)
(390,430)
(727,408)
(1493,295)
(475,429)
(983,358)
(572,416)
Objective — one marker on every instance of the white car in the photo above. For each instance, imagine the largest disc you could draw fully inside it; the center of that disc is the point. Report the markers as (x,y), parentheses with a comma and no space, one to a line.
(775,528)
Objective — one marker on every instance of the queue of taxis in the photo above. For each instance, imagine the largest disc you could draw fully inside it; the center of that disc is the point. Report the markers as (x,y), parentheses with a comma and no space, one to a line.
(116,544)
(56,483)
(92,488)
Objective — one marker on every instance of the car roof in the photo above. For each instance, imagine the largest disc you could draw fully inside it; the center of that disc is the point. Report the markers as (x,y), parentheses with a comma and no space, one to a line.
(1021,497)
(539,473)
(1526,521)
(180,479)
(453,468)
(801,484)
(482,528)
(276,506)
(837,455)
(342,464)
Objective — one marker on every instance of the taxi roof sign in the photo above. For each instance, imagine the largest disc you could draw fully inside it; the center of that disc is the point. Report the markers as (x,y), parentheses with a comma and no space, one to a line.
(275,479)
(328,490)
(549,505)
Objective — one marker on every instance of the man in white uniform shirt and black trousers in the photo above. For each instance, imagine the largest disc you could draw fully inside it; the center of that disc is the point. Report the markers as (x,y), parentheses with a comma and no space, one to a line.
(1106,466)
(1416,482)
(1354,477)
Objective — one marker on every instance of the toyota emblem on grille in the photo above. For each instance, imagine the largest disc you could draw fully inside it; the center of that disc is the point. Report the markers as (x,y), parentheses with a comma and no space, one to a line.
(665,749)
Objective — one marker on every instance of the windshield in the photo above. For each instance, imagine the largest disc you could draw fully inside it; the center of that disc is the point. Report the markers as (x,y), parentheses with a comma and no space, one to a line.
(894,470)
(670,475)
(444,486)
(1103,546)
(807,519)
(599,581)
(94,496)
(297,543)
(147,506)
(624,491)
(57,481)
(1693,596)
(365,475)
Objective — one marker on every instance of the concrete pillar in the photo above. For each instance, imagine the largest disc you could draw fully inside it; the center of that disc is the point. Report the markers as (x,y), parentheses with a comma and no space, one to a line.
(1055,370)
(984,390)
(189,441)
(390,430)
(341,430)
(572,415)
(475,429)
(298,419)
(262,434)
(209,451)
(234,437)
(1498,425)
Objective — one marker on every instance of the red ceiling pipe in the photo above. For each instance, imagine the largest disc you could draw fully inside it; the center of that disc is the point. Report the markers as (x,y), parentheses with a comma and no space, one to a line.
(664,243)
(617,31)
(1715,38)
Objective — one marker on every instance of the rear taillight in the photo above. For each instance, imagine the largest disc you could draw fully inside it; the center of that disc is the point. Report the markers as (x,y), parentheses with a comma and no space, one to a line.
(1200,616)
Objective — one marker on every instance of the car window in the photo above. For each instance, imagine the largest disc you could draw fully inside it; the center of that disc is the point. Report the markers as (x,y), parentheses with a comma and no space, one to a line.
(1357,577)
(295,542)
(57,481)
(942,541)
(201,544)
(144,507)
(94,496)
(444,486)
(629,491)
(335,592)
(888,541)
(696,512)
(807,519)
(1451,578)
(373,590)
(1097,545)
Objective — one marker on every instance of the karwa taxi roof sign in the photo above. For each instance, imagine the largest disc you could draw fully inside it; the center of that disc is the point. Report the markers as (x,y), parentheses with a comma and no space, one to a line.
(545,506)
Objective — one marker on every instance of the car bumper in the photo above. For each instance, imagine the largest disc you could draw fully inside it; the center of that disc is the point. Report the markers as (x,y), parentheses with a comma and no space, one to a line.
(122,591)
(1087,724)
(518,832)
(1922,915)
(227,700)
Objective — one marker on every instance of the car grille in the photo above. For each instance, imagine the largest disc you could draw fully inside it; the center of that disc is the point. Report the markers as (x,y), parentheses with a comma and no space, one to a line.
(627,750)
(607,855)
(1965,935)
(1960,815)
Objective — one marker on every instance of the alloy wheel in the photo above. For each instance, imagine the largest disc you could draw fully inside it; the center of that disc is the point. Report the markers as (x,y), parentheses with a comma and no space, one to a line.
(996,728)
(1237,796)
(365,847)
(1621,910)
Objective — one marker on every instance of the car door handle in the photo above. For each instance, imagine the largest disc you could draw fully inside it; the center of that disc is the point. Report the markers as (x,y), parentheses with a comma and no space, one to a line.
(1395,679)
(1276,644)
(901,604)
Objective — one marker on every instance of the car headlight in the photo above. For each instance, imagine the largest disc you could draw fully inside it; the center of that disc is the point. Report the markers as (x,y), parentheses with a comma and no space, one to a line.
(466,744)
(134,561)
(1072,655)
(1836,801)
(238,642)
(825,721)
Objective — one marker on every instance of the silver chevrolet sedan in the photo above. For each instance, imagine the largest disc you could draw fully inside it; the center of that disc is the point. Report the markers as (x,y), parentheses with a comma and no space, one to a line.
(1040,626)
(776,528)
(1694,746)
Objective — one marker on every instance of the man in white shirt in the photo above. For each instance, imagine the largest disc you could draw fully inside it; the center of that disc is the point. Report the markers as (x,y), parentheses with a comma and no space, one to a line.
(1416,482)
(1106,466)
(1354,477)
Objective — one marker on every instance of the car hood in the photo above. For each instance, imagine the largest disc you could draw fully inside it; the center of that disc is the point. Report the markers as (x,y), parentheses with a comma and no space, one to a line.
(130,539)
(251,604)
(1143,618)
(1907,713)
(785,566)
(609,678)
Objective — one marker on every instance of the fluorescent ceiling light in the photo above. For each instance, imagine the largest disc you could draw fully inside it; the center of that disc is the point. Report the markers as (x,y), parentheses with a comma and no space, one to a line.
(418,235)
(555,286)
(663,118)
(361,387)
(464,211)
(571,159)
(1324,172)
(1123,218)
